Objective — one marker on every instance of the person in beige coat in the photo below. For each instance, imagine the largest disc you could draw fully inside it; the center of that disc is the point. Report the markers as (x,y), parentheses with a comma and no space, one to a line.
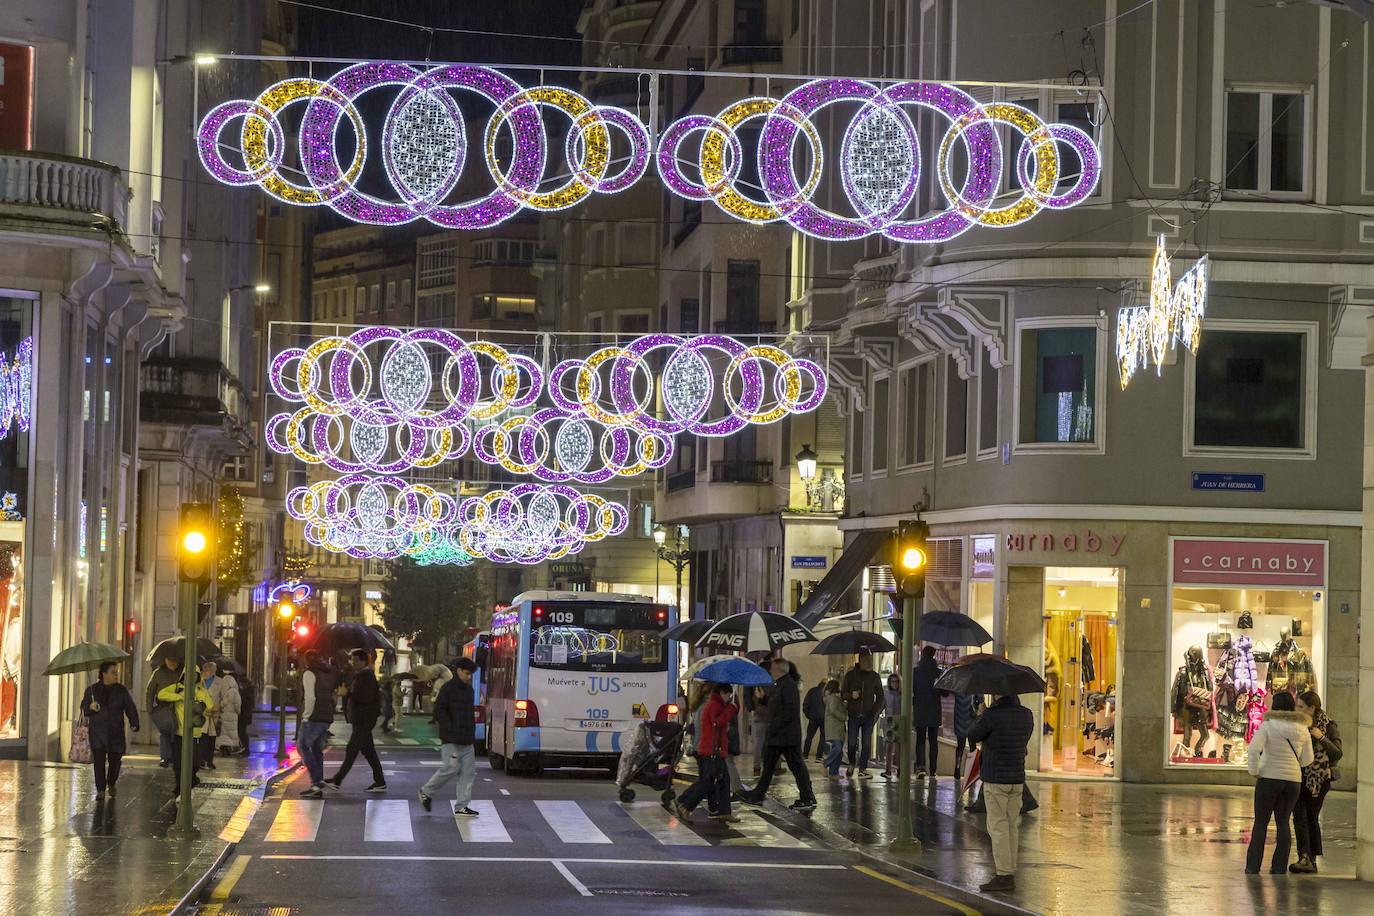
(1278,752)
(228,700)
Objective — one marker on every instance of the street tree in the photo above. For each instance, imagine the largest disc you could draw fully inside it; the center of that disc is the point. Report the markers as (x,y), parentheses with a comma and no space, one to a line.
(429,604)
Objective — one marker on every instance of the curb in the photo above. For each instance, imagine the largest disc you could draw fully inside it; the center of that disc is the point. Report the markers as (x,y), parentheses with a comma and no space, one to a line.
(191,898)
(984,903)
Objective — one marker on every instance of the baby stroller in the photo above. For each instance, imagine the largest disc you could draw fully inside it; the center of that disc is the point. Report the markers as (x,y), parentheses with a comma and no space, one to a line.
(649,751)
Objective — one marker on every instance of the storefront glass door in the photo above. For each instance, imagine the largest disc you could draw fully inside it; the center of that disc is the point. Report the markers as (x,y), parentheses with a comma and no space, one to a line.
(1082,670)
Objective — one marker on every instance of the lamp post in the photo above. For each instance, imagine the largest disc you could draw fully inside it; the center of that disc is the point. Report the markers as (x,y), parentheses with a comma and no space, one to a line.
(819,491)
(677,556)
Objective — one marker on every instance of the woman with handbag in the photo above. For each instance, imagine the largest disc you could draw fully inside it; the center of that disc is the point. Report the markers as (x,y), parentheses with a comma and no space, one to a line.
(1316,781)
(713,748)
(106,704)
(201,707)
(1279,751)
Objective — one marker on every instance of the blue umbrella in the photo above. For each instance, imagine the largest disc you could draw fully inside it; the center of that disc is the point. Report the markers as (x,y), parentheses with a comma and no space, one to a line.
(735,671)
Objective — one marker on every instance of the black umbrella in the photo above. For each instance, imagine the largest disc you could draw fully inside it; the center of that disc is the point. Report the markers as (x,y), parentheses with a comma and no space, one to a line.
(851,641)
(176,646)
(756,631)
(341,637)
(984,673)
(950,628)
(688,630)
(228,666)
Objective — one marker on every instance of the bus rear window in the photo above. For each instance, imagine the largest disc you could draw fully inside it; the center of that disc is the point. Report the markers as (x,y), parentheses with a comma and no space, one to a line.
(598,648)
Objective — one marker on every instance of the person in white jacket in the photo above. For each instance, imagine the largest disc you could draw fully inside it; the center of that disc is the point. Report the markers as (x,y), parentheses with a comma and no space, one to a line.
(1278,752)
(225,692)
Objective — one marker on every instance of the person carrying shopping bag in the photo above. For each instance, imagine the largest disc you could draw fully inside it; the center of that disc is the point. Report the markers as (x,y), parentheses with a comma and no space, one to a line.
(1278,752)
(713,749)
(201,708)
(106,704)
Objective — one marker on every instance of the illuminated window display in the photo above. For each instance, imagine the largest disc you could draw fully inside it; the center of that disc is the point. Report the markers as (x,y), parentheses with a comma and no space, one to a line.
(1248,621)
(16,401)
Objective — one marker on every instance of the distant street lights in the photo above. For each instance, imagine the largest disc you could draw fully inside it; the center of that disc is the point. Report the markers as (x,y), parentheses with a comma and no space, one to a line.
(677,556)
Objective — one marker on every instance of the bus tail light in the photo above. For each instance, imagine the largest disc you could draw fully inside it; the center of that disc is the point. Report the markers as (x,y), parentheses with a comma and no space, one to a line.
(666,712)
(526,714)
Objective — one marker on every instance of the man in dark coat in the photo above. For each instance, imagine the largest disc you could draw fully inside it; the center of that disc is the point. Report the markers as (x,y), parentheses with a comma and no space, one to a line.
(105,705)
(457,721)
(1004,730)
(813,707)
(362,707)
(784,739)
(862,689)
(926,712)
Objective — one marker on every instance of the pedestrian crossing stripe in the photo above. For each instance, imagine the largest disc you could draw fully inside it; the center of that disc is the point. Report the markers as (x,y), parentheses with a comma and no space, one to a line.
(393,820)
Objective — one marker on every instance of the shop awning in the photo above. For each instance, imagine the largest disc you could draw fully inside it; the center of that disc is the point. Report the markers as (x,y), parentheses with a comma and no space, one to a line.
(851,562)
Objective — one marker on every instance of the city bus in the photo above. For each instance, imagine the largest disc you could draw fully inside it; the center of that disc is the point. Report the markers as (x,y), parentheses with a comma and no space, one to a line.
(569,672)
(478,651)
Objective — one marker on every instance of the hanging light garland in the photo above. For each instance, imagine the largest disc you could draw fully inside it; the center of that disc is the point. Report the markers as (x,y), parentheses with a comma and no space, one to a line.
(425,148)
(16,389)
(1146,335)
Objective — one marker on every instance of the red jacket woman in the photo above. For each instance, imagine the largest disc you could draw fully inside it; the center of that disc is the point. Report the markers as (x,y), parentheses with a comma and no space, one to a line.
(714,740)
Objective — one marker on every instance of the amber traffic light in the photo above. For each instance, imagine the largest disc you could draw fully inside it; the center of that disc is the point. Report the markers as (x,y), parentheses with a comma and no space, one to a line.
(909,555)
(195,550)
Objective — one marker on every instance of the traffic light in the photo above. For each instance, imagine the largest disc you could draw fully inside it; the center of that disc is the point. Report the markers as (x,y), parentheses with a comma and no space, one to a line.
(130,634)
(286,611)
(195,543)
(909,556)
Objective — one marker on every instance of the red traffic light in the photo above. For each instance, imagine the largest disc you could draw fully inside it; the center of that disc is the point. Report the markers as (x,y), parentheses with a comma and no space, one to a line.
(131,627)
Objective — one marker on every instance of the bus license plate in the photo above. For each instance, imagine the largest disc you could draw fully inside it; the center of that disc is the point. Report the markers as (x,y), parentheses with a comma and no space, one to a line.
(598,725)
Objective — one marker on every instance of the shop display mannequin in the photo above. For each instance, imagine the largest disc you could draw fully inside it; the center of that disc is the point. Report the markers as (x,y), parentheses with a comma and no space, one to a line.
(11,636)
(1194,700)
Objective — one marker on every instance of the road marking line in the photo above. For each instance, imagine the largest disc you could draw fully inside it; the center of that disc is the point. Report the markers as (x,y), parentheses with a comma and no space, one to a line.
(238,824)
(709,863)
(486,779)
(231,877)
(563,870)
(758,831)
(929,895)
(570,822)
(407,741)
(297,821)
(387,821)
(663,826)
(505,791)
(485,828)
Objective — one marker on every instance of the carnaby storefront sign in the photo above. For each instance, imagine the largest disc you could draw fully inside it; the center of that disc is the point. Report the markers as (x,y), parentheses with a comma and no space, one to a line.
(1088,541)
(1231,562)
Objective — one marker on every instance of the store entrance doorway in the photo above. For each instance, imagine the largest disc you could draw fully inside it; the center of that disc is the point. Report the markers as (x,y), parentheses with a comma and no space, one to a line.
(1082,668)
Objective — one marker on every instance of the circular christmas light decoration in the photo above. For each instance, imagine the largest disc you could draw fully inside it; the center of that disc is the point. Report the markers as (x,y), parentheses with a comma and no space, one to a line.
(424,152)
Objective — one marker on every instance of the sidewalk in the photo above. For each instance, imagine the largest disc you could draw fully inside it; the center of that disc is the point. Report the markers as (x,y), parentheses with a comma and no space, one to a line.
(1099,847)
(62,851)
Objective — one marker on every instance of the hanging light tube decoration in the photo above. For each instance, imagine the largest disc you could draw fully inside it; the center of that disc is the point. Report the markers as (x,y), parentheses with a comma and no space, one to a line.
(373,402)
(424,149)
(1145,335)
(16,389)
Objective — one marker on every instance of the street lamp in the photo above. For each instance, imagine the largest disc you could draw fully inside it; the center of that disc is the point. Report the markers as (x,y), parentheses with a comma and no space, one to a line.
(677,556)
(806,464)
(821,493)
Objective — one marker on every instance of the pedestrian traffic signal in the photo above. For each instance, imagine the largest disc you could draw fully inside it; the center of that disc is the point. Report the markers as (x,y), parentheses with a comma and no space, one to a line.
(909,556)
(130,634)
(195,548)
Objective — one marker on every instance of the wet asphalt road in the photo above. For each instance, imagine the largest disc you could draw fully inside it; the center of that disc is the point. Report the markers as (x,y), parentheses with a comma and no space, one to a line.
(557,844)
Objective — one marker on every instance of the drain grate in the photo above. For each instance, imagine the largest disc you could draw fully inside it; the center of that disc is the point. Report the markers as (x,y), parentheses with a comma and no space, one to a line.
(226,782)
(230,909)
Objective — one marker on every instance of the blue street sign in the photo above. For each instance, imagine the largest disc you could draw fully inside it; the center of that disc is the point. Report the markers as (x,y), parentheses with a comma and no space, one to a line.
(809,562)
(1249,483)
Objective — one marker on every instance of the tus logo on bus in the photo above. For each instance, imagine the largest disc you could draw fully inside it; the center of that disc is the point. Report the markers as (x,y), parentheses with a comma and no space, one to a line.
(599,684)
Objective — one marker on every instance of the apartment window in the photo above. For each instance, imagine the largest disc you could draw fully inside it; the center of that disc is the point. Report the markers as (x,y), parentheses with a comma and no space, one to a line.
(318,303)
(956,412)
(742,294)
(1252,386)
(391,294)
(595,322)
(917,413)
(437,308)
(359,300)
(340,302)
(689,316)
(882,421)
(374,297)
(988,379)
(856,442)
(1266,142)
(405,292)
(493,305)
(503,251)
(632,323)
(1059,383)
(438,261)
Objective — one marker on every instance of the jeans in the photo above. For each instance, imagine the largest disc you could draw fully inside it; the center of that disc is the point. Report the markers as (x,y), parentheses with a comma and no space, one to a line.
(772,753)
(1004,823)
(1305,819)
(164,747)
(736,784)
(310,741)
(759,733)
(927,735)
(1273,798)
(106,765)
(834,750)
(713,785)
(860,740)
(459,760)
(814,728)
(360,741)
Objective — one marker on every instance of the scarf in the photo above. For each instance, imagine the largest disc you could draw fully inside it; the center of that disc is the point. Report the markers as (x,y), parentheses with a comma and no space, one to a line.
(1316,773)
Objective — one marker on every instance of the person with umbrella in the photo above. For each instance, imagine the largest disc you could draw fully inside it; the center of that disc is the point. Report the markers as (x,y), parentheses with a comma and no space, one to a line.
(1004,730)
(783,740)
(713,750)
(164,676)
(106,704)
(200,711)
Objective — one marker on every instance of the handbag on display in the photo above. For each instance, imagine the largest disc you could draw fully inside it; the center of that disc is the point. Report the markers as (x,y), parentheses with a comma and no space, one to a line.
(1198,698)
(1219,640)
(1297,627)
(1245,621)
(81,741)
(1260,656)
